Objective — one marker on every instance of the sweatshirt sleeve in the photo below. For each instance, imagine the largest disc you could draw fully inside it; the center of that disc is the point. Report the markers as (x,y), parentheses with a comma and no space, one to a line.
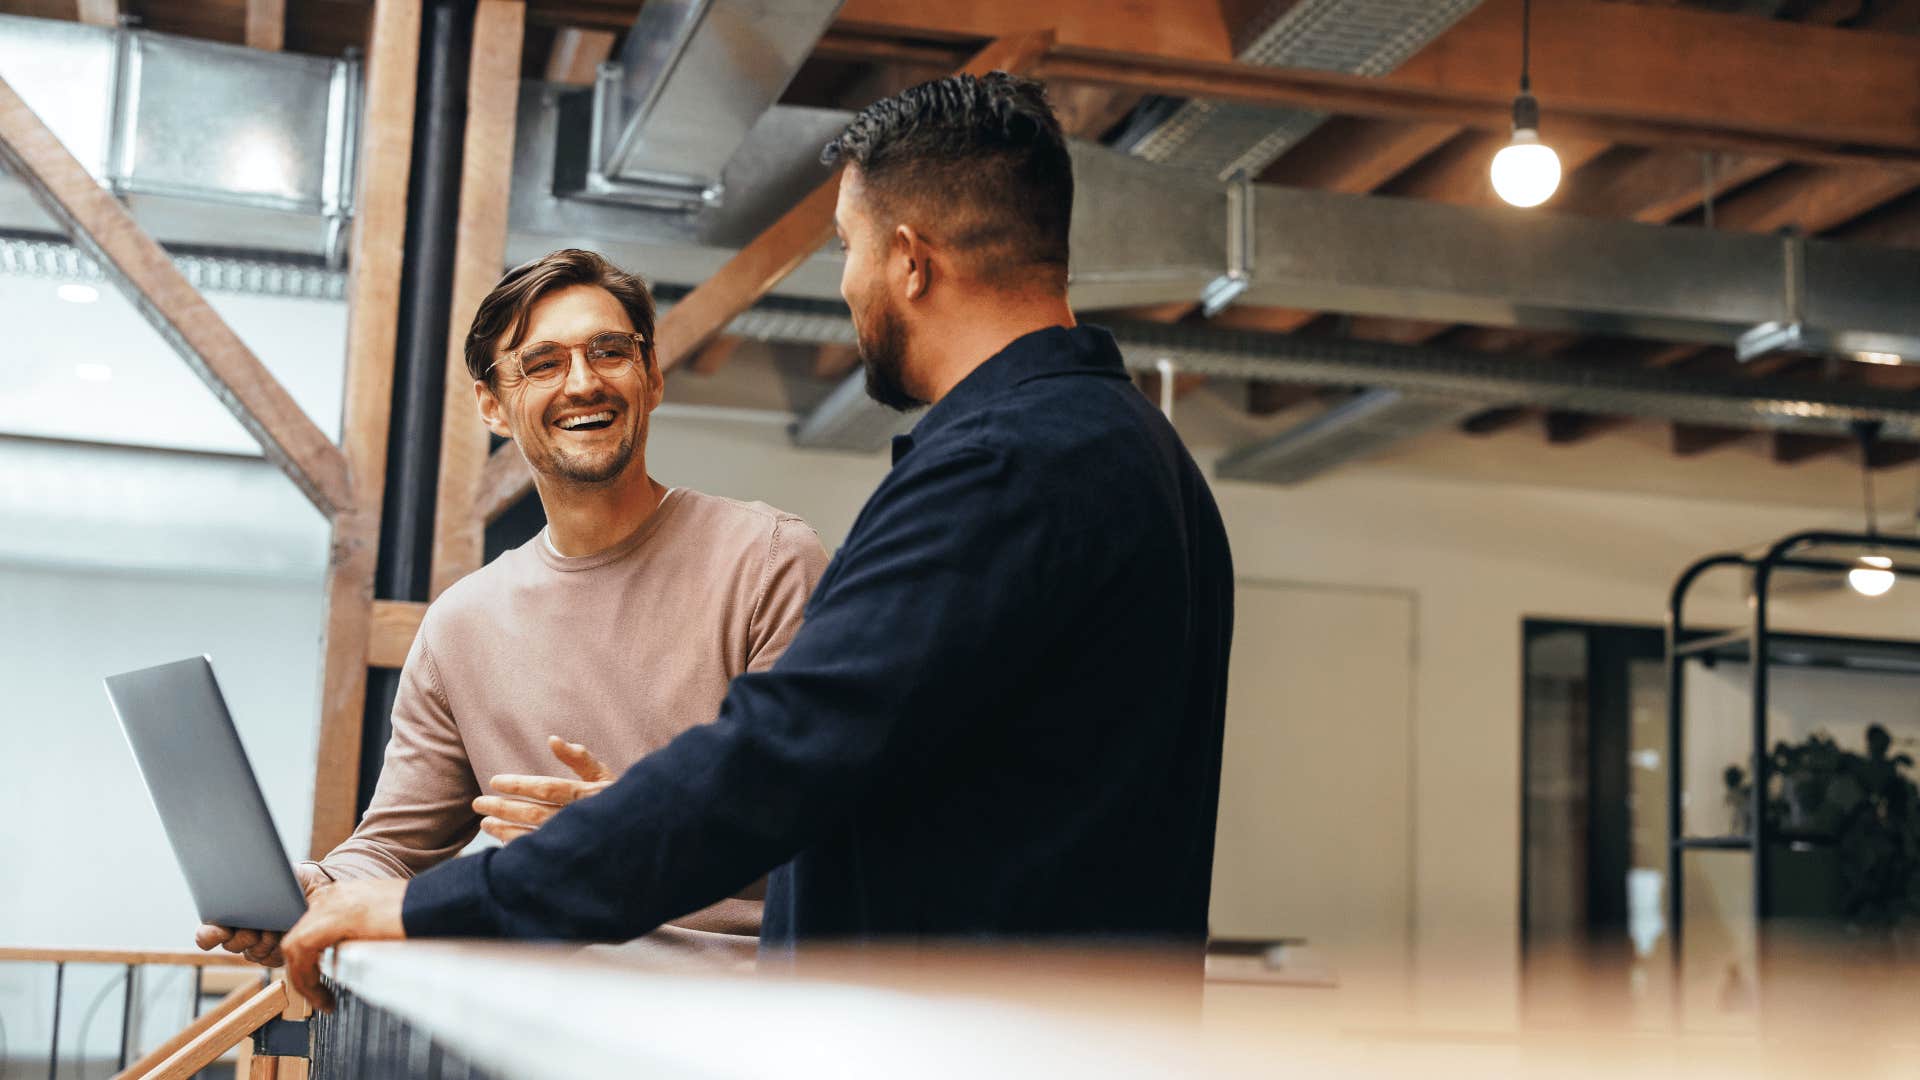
(795,562)
(422,809)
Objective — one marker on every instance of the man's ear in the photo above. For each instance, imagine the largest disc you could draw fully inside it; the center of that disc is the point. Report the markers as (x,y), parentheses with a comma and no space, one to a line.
(656,382)
(492,412)
(910,252)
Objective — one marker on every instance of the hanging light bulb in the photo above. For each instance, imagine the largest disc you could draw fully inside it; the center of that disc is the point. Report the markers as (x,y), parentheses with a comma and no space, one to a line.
(1873,577)
(1526,172)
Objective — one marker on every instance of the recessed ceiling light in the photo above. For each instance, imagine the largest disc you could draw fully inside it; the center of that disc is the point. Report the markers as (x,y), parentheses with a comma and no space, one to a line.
(1877,358)
(75,293)
(92,372)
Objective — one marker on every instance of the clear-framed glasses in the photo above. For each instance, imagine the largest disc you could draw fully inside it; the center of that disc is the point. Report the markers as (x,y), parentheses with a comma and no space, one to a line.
(545,363)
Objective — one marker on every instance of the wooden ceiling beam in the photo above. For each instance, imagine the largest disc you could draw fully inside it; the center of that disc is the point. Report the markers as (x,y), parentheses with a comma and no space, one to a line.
(1356,156)
(266,24)
(1658,186)
(97,12)
(577,55)
(1691,440)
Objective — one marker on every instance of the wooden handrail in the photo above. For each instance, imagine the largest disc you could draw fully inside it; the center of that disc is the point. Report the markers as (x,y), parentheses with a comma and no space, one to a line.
(176,957)
(185,1035)
(204,1048)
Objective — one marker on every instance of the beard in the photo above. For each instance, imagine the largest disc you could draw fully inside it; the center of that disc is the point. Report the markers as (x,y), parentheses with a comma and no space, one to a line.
(883,354)
(592,467)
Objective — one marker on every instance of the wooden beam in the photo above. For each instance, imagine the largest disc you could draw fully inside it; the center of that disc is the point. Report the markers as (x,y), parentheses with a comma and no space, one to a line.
(1356,156)
(394,625)
(1792,448)
(373,316)
(1812,199)
(1494,420)
(480,250)
(834,361)
(151,1060)
(1087,112)
(1193,30)
(15,954)
(577,55)
(714,354)
(1658,186)
(750,274)
(267,24)
(97,12)
(1270,398)
(204,1049)
(101,226)
(1565,428)
(1690,440)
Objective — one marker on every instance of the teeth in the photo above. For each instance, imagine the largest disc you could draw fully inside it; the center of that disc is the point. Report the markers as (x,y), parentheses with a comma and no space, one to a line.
(572,422)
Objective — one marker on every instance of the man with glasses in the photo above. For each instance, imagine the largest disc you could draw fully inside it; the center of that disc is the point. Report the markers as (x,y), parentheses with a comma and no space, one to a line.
(616,628)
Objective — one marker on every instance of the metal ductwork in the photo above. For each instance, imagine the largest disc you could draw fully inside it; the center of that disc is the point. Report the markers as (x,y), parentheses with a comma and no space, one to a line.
(62,261)
(692,81)
(1357,428)
(1468,379)
(1354,37)
(210,145)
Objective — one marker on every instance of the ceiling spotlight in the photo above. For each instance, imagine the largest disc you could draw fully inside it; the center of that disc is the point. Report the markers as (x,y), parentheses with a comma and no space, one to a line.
(75,293)
(1887,358)
(1873,577)
(1526,172)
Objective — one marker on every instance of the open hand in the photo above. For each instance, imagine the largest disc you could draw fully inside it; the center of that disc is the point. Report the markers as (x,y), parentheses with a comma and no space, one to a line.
(259,946)
(526,802)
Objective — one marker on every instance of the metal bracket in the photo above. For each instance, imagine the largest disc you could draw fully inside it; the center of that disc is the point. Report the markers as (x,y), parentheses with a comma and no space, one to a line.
(280,1037)
(1226,288)
(1788,332)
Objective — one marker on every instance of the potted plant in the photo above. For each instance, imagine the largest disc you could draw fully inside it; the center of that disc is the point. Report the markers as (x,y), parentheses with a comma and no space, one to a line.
(1845,830)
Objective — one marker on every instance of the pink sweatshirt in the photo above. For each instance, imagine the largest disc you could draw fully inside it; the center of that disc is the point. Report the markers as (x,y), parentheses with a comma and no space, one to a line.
(619,651)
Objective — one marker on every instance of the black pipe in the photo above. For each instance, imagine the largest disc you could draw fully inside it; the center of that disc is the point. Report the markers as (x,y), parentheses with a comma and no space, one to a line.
(419,378)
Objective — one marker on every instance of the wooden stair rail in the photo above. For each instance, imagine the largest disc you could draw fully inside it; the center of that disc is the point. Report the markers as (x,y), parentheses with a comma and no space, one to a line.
(153,1058)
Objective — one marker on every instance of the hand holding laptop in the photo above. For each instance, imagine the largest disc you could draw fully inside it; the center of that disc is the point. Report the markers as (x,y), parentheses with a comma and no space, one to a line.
(259,946)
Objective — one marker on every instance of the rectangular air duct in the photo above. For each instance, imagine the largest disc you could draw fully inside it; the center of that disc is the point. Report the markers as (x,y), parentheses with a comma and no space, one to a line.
(692,80)
(210,145)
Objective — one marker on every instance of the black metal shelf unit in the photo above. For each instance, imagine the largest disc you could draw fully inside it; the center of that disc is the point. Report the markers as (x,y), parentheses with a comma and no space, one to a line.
(1764,649)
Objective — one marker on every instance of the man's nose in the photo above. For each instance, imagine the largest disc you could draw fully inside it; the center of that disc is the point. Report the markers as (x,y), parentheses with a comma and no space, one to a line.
(581,378)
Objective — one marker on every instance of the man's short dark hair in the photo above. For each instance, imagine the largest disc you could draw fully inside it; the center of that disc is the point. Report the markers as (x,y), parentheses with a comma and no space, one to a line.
(502,317)
(981,161)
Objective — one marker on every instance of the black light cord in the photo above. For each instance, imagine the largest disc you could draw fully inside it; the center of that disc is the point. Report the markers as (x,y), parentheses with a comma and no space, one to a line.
(1526,45)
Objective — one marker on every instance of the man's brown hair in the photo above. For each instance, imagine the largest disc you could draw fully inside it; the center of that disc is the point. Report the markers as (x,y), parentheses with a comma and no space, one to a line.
(502,318)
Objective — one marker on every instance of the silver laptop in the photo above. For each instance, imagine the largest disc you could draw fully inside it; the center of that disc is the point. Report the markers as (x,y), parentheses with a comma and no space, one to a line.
(208,799)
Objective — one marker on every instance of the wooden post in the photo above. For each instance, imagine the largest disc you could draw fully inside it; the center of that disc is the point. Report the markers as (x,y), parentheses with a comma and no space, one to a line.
(263,1005)
(493,95)
(749,275)
(267,24)
(386,157)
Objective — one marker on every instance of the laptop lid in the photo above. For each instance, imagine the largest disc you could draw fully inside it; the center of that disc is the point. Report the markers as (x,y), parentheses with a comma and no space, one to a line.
(183,738)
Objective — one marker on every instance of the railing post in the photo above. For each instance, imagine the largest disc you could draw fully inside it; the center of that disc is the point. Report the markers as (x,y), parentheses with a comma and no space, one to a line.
(53,1049)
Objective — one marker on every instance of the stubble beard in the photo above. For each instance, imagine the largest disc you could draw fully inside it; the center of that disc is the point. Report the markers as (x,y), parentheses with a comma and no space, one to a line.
(883,354)
(593,468)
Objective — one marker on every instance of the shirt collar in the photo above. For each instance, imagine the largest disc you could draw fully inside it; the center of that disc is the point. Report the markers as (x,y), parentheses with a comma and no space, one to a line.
(1056,350)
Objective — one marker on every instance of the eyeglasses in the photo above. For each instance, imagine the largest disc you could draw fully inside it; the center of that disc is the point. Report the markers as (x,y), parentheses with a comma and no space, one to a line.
(545,363)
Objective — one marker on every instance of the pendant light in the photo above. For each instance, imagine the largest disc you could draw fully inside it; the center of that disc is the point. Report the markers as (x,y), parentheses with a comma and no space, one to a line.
(1526,172)
(1872,575)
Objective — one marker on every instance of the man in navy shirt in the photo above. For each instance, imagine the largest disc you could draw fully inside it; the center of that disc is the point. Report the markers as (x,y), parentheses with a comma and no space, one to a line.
(1003,715)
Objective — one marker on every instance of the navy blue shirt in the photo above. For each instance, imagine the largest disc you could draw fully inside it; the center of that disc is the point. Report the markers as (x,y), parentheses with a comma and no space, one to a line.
(1002,717)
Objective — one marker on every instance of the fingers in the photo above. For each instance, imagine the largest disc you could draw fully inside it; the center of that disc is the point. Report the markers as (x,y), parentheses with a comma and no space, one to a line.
(267,950)
(503,831)
(516,811)
(241,940)
(547,789)
(210,936)
(579,759)
(303,947)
